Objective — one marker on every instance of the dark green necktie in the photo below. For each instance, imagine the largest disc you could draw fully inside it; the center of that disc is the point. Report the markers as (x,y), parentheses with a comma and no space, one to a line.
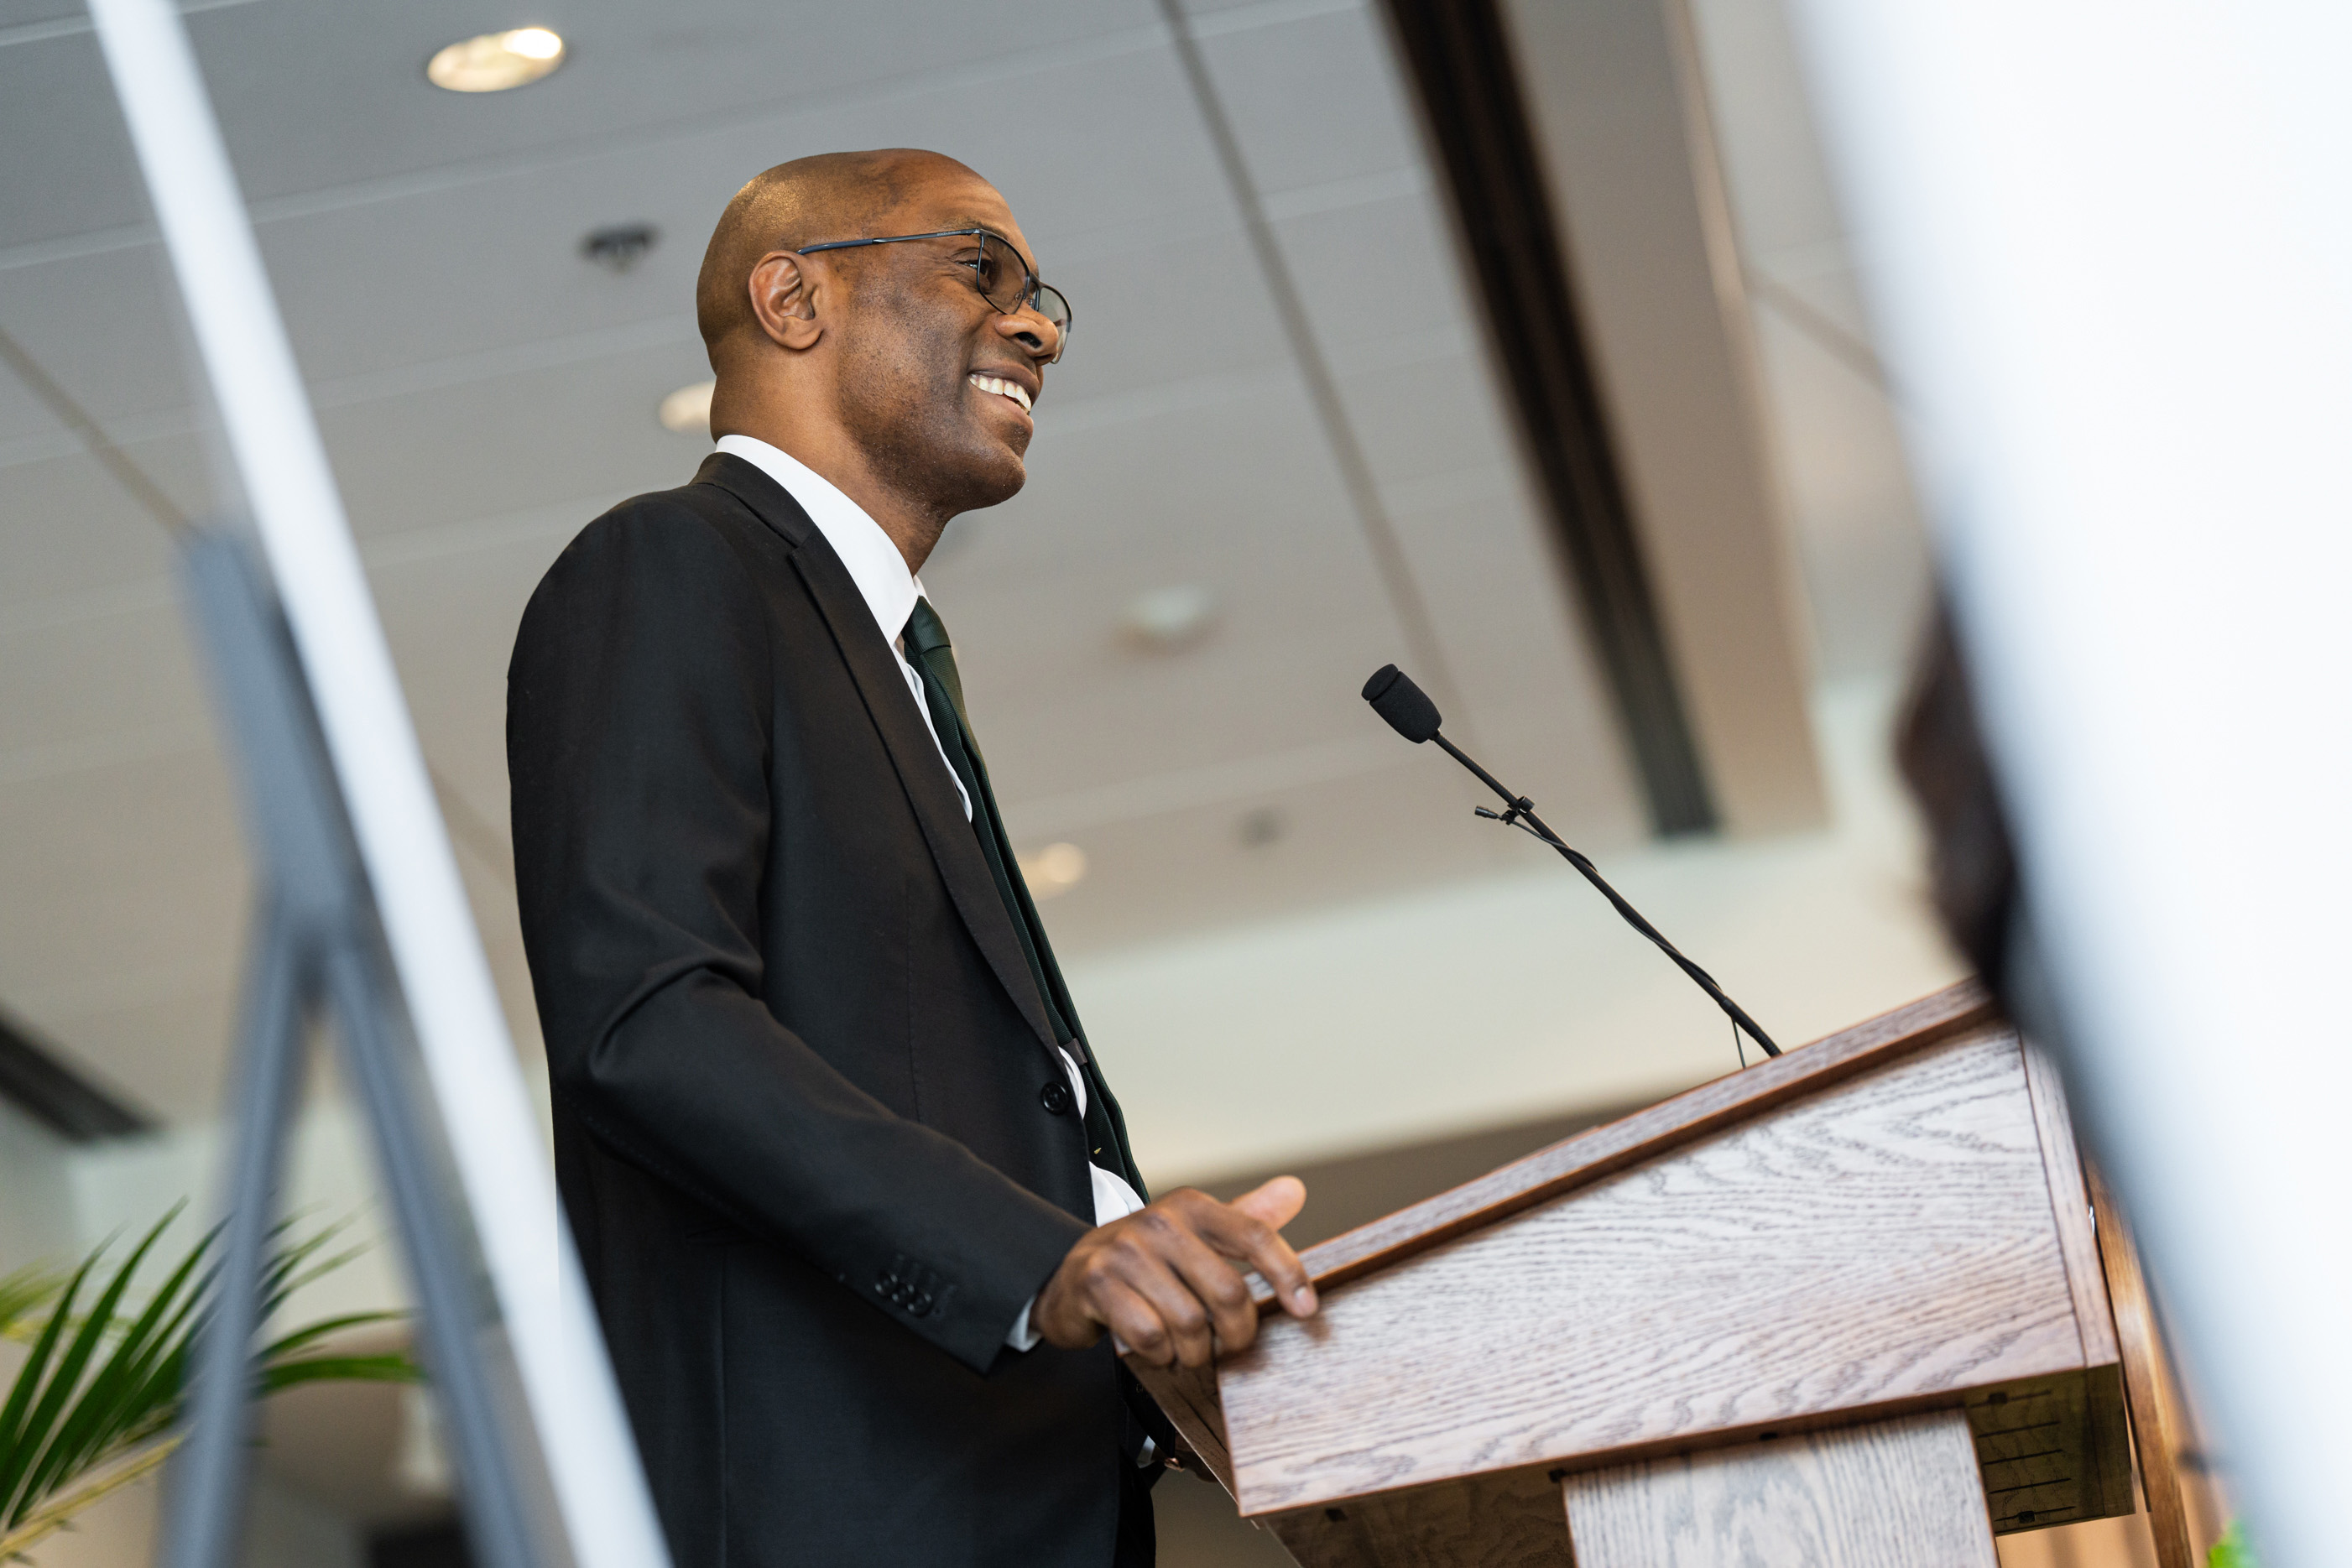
(928,649)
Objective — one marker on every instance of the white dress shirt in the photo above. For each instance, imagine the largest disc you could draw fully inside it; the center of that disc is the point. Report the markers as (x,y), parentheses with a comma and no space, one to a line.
(890,587)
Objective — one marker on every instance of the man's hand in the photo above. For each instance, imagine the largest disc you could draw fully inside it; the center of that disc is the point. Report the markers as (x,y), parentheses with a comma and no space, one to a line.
(1164,1280)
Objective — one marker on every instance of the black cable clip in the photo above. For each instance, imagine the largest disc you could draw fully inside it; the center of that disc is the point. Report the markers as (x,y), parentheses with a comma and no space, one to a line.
(1521,807)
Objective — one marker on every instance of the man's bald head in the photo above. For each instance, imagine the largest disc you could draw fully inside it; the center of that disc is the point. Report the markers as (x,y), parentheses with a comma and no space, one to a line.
(885,369)
(829,196)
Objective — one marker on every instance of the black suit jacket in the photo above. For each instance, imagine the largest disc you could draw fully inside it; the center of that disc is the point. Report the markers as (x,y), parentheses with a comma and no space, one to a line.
(798,1061)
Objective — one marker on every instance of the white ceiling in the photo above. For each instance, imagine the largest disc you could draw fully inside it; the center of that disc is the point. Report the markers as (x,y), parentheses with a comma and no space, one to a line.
(484,392)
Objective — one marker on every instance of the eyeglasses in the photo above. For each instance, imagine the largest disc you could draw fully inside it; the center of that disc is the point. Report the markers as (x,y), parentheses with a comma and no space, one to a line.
(999,272)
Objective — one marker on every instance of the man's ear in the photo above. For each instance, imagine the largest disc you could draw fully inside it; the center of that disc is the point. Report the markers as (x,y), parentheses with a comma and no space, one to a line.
(782,301)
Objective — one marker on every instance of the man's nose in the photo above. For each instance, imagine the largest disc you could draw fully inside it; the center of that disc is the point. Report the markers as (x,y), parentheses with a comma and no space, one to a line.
(1038,338)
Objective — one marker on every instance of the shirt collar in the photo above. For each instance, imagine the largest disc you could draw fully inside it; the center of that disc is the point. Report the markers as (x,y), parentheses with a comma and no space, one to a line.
(875,565)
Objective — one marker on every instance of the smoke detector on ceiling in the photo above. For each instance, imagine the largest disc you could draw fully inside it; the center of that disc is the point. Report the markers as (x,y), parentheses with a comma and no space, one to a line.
(621,247)
(1262,828)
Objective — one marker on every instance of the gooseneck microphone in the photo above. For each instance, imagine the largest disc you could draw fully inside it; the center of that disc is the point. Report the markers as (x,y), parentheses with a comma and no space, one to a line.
(1410,714)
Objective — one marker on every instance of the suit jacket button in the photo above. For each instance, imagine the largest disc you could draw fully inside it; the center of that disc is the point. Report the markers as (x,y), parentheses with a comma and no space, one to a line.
(1056,1098)
(921,1305)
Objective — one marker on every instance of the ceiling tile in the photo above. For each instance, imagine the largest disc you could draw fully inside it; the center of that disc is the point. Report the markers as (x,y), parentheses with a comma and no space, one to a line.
(1439,416)
(78,680)
(1403,823)
(353,76)
(66,529)
(107,329)
(69,168)
(1313,100)
(1375,271)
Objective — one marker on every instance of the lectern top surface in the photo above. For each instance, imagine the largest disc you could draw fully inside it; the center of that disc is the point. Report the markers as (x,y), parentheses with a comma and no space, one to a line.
(1601,1151)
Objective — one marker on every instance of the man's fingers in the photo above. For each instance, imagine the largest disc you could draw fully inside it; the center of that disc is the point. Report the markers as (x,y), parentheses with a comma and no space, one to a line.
(1218,1286)
(1163,1273)
(1134,1323)
(1163,1280)
(1242,1231)
(1273,1204)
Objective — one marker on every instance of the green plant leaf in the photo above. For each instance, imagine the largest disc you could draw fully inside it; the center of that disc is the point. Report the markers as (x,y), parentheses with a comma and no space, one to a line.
(100,1389)
(41,1426)
(116,1403)
(14,1416)
(24,1292)
(277,1350)
(390,1367)
(2232,1551)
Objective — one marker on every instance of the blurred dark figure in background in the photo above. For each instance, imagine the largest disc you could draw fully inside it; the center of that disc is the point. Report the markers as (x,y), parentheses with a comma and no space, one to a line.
(1941,751)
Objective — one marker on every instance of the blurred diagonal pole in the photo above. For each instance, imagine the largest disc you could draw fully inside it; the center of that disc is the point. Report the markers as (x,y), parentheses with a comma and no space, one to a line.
(2111,261)
(318,942)
(469,1061)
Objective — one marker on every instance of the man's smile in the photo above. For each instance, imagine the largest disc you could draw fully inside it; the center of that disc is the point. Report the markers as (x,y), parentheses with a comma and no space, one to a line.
(1001,388)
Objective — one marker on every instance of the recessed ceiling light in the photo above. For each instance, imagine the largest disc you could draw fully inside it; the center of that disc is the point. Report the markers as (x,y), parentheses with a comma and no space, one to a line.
(1167,619)
(688,409)
(494,62)
(1054,870)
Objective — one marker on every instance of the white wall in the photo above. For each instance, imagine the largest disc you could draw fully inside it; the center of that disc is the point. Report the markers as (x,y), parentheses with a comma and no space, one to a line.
(36,1212)
(330,1179)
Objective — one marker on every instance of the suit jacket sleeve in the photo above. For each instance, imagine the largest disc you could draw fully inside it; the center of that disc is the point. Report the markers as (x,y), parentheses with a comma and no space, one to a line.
(640,703)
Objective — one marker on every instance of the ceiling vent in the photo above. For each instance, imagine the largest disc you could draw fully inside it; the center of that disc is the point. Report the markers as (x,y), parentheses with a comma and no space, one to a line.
(620,246)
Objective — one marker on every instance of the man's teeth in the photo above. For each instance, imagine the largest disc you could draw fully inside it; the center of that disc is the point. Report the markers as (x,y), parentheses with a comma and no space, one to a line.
(1003,388)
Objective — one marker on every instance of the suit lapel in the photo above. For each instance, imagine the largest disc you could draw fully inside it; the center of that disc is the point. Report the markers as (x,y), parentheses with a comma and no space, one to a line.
(931,789)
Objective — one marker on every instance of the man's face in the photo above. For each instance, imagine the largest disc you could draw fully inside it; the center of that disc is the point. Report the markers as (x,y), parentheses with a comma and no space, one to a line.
(918,342)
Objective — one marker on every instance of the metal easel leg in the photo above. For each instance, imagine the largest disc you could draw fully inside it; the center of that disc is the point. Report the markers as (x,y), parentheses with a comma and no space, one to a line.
(321,943)
(207,1511)
(451,1303)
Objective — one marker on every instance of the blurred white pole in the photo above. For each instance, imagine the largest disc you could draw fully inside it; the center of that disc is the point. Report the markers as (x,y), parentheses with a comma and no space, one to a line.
(470,1058)
(2110,243)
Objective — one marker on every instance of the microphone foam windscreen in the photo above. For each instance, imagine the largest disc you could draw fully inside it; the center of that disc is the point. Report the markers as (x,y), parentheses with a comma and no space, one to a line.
(1406,707)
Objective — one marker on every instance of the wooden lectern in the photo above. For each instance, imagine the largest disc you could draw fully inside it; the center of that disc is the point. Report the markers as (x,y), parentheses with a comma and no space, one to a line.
(1844,1308)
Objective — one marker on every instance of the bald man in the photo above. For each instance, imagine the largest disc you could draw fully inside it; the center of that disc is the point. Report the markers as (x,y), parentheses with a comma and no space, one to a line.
(854,1197)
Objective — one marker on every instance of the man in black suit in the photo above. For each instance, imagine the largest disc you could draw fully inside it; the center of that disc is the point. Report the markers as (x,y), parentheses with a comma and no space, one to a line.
(854,1201)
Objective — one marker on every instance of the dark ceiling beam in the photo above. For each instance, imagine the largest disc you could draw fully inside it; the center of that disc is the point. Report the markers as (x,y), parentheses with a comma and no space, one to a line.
(1458,55)
(33,1079)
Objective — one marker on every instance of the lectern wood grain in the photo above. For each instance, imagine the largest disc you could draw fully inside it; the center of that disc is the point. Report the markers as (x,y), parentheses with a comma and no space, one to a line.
(1882,1243)
(2070,1202)
(1507,1521)
(1885,1225)
(1590,1156)
(1890,1494)
(1188,1398)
